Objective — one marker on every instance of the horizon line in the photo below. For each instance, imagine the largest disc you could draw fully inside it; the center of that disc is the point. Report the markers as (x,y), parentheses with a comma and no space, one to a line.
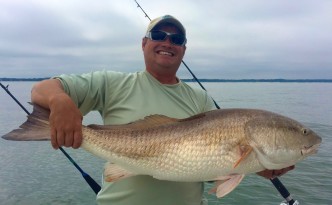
(202,79)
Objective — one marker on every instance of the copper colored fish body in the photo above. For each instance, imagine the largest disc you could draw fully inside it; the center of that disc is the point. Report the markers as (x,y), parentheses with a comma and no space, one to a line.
(217,145)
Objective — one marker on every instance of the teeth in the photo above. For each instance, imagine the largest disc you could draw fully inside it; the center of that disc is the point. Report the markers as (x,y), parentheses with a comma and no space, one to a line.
(165,53)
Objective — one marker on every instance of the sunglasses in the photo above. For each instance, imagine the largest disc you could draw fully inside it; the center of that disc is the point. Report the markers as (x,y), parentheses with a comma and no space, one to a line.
(175,38)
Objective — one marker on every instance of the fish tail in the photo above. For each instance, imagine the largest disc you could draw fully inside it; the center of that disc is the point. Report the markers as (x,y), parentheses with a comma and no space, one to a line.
(36,128)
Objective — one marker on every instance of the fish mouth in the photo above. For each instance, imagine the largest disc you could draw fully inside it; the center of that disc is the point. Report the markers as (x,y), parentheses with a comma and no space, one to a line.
(310,150)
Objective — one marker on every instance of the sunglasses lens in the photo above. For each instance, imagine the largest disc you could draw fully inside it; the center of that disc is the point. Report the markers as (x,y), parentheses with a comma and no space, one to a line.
(158,35)
(176,39)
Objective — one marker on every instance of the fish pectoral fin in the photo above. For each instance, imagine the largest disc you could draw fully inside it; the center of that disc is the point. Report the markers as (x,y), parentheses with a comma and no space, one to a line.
(113,172)
(226,184)
(245,151)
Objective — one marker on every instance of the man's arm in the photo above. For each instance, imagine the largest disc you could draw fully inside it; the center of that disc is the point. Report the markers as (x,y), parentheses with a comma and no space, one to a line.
(65,118)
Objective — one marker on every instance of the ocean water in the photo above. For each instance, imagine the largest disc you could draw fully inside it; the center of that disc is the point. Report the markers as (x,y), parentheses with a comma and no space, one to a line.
(34,173)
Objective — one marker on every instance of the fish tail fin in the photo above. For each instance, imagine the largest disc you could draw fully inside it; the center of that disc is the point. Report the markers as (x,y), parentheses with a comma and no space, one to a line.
(36,128)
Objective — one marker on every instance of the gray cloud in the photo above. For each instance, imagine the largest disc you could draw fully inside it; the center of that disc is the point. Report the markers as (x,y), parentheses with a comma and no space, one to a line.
(226,39)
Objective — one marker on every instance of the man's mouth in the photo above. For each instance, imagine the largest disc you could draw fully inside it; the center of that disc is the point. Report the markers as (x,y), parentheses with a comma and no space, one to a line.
(165,53)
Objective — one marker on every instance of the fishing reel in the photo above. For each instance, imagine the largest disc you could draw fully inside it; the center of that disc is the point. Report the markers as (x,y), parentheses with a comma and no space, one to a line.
(290,203)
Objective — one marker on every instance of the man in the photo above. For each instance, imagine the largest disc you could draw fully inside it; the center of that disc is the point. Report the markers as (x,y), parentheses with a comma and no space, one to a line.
(122,98)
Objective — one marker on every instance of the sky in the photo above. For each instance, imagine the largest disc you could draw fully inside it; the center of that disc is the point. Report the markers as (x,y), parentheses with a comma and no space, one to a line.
(227,39)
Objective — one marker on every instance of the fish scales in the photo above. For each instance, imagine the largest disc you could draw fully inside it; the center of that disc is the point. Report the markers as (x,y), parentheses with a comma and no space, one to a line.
(191,146)
(217,145)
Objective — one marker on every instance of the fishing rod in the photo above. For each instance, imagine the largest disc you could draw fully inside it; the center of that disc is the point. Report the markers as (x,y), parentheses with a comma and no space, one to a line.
(92,183)
(284,192)
(275,181)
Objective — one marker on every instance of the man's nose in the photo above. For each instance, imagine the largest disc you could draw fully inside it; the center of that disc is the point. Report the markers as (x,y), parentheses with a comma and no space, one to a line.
(167,40)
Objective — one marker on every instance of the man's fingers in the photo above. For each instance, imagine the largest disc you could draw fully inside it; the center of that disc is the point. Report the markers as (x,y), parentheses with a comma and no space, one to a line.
(270,174)
(66,131)
(287,169)
(53,139)
(77,139)
(69,139)
(280,172)
(60,138)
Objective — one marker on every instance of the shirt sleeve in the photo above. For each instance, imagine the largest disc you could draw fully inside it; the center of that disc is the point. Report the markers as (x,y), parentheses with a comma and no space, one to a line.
(209,105)
(86,90)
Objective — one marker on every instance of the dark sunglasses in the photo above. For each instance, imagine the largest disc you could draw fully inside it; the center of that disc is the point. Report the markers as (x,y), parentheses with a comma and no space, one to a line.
(175,38)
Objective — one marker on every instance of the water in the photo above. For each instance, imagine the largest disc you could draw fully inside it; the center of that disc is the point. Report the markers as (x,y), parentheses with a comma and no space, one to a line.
(33,173)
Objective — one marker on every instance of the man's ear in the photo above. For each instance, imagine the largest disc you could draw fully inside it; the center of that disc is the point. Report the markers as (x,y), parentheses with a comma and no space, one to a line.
(184,50)
(144,40)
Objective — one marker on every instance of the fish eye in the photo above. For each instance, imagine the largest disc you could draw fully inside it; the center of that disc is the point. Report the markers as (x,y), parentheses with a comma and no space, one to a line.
(305,131)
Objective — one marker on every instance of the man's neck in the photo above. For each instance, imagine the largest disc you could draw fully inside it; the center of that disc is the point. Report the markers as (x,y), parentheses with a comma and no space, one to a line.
(169,79)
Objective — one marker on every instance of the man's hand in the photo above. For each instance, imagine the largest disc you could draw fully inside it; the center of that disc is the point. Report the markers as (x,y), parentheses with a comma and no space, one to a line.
(65,118)
(66,122)
(270,174)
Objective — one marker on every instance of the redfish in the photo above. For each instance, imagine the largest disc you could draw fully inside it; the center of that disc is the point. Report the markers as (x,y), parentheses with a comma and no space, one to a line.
(220,145)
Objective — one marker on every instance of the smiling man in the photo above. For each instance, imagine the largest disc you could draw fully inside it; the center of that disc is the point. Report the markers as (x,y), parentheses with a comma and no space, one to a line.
(126,97)
(164,48)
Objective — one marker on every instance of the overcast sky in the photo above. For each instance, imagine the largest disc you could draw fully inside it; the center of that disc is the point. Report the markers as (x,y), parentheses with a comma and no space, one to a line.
(226,38)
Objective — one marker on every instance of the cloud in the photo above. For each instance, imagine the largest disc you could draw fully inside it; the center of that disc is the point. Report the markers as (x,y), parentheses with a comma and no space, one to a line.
(227,39)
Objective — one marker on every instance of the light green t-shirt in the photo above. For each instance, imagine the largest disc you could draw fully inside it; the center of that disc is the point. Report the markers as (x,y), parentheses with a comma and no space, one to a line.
(122,98)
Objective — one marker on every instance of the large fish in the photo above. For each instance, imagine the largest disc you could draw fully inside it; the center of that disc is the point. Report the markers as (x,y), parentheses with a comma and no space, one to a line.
(220,145)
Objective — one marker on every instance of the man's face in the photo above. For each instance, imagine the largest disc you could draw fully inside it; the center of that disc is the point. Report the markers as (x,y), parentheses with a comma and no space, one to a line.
(163,56)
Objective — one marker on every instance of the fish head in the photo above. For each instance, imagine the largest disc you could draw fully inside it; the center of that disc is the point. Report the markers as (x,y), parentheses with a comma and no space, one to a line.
(279,141)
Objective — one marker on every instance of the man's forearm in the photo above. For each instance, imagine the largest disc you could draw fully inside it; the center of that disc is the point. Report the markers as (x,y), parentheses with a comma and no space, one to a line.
(44,92)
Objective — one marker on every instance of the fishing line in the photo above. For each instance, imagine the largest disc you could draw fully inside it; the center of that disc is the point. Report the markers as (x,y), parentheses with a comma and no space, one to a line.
(275,181)
(92,183)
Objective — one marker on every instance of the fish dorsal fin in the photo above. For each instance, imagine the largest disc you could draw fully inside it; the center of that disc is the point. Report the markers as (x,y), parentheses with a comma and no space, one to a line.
(194,117)
(148,122)
(155,120)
